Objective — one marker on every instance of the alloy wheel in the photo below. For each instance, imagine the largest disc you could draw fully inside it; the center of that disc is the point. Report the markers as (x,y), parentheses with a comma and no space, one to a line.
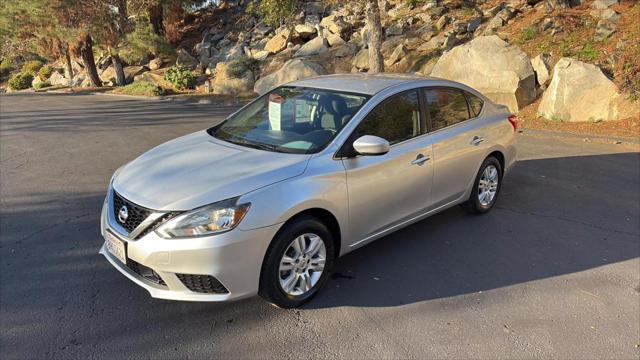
(302,264)
(488,185)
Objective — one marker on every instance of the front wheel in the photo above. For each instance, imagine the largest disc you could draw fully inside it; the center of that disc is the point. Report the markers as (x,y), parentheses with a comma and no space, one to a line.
(297,263)
(486,187)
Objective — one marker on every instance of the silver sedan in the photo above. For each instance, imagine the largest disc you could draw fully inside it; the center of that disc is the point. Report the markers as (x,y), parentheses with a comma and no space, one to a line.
(264,202)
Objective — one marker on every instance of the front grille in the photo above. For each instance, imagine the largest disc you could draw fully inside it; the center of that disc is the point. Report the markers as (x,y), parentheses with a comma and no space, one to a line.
(145,272)
(137,213)
(202,284)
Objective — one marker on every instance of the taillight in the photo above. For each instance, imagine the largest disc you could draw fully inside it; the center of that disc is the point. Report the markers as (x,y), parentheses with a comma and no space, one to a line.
(513,120)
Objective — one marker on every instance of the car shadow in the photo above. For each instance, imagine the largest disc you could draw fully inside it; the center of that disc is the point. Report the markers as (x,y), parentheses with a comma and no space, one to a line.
(549,221)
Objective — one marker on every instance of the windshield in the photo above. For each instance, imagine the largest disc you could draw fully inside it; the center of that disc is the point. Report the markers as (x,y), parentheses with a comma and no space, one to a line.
(291,119)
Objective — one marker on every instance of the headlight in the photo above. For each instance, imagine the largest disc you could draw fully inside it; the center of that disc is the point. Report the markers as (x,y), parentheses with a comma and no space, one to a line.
(208,220)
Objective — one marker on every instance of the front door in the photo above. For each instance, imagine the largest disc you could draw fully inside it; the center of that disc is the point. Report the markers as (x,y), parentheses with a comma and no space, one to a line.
(388,189)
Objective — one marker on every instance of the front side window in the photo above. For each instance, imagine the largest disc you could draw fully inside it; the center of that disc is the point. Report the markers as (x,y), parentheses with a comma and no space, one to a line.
(395,120)
(291,119)
(446,107)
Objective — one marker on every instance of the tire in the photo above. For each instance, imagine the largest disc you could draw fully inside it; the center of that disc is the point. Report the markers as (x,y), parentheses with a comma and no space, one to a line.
(272,277)
(475,204)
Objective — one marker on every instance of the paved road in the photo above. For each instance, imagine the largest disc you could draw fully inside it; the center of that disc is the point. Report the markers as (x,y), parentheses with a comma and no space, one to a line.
(554,271)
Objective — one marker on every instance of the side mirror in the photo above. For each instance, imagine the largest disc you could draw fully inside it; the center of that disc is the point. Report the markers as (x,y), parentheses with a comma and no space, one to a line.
(371,145)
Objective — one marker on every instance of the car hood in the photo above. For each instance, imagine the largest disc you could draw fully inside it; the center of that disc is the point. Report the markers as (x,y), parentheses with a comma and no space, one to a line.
(197,169)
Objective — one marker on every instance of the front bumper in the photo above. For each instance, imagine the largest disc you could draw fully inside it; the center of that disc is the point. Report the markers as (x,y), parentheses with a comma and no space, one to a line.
(233,258)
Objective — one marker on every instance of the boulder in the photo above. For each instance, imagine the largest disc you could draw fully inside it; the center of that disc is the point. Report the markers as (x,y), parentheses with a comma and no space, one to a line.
(156,63)
(155,77)
(278,42)
(260,55)
(130,72)
(581,92)
(474,23)
(336,25)
(500,71)
(442,22)
(395,29)
(294,69)
(542,69)
(186,60)
(316,46)
(306,31)
(344,50)
(604,29)
(361,60)
(57,78)
(561,4)
(333,39)
(224,84)
(603,4)
(398,53)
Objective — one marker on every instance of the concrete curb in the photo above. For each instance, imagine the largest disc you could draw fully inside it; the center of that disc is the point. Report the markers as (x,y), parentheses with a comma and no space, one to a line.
(562,134)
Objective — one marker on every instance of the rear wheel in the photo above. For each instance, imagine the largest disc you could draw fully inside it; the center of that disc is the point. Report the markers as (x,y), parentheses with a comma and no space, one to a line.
(486,187)
(297,263)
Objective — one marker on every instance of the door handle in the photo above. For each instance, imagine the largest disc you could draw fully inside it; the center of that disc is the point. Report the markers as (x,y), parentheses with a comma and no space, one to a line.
(420,159)
(477,140)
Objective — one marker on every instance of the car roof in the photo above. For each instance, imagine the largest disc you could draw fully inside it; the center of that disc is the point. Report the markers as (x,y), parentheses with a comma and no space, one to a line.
(368,84)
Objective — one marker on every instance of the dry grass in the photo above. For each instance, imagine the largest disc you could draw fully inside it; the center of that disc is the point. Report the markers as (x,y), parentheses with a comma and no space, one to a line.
(628,128)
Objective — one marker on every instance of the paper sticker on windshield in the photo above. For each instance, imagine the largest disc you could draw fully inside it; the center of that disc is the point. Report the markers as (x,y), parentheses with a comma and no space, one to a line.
(275,111)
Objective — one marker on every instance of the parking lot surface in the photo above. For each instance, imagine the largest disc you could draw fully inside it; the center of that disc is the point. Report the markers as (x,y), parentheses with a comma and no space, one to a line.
(552,271)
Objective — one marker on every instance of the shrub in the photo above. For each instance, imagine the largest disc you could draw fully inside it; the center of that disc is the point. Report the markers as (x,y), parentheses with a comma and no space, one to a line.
(141,42)
(6,66)
(180,77)
(45,72)
(274,12)
(20,81)
(143,88)
(32,66)
(240,66)
(528,33)
(42,84)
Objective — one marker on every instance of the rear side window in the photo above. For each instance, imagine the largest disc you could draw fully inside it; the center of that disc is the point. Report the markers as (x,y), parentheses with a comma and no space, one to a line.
(475,104)
(446,107)
(396,119)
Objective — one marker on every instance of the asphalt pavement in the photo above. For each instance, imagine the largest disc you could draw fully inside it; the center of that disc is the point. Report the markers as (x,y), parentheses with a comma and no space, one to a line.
(552,272)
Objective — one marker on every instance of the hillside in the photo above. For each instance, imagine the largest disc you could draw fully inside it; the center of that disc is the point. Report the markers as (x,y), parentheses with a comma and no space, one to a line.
(506,49)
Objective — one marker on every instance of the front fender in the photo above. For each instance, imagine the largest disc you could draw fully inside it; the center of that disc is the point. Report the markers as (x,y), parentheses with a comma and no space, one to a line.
(323,185)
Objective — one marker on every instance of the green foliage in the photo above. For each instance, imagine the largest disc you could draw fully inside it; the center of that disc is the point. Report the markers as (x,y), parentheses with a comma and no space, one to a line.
(45,72)
(20,81)
(141,42)
(588,53)
(528,33)
(274,12)
(181,78)
(143,88)
(41,85)
(6,66)
(32,66)
(413,3)
(240,66)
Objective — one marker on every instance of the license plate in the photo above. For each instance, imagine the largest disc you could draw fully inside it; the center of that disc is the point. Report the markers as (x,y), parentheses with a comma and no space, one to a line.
(116,247)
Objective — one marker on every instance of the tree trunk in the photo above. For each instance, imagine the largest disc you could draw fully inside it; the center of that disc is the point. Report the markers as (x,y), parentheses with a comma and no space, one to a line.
(376,64)
(156,18)
(86,53)
(117,66)
(67,60)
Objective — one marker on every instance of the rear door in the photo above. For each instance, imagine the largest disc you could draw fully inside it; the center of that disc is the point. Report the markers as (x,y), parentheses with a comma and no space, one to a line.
(384,190)
(459,141)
